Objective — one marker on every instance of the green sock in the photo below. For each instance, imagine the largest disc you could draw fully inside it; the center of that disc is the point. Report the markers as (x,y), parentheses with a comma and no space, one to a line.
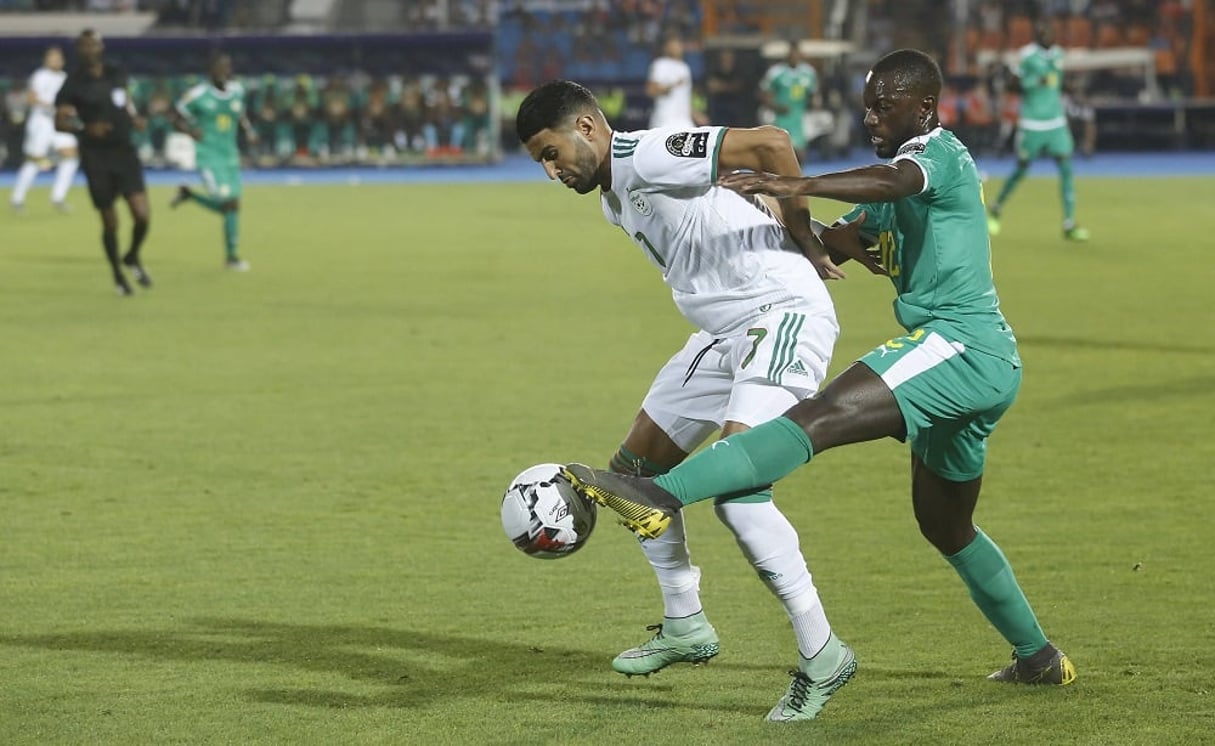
(1011,184)
(231,232)
(740,463)
(207,201)
(1067,192)
(994,589)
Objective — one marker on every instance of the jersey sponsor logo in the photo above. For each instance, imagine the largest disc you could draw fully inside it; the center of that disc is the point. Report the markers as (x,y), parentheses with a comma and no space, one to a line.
(911,148)
(119,97)
(641,204)
(688,144)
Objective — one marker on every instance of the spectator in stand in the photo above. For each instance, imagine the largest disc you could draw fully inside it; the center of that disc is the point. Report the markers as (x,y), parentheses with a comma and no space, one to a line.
(378,123)
(979,117)
(411,118)
(731,99)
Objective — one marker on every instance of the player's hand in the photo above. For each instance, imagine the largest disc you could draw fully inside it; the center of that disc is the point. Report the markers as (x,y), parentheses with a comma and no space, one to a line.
(813,249)
(98,129)
(846,242)
(140,123)
(746,182)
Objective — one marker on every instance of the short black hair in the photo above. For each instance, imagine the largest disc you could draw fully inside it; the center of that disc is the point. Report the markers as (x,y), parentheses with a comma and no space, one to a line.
(914,69)
(550,105)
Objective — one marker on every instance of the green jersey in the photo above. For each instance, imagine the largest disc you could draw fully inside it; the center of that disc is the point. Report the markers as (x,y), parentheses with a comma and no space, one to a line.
(935,246)
(1041,74)
(791,87)
(218,114)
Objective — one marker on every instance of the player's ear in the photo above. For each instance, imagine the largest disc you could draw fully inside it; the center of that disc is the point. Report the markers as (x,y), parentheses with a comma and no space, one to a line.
(586,125)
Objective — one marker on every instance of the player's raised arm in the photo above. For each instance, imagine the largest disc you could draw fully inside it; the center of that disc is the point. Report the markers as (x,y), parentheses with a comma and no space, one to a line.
(768,149)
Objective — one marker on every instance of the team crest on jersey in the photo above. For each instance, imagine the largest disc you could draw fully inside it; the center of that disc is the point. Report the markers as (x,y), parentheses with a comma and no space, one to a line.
(119,97)
(688,144)
(911,148)
(641,204)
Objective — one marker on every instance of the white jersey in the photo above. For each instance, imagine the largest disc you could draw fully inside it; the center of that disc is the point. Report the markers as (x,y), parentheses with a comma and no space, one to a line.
(674,108)
(726,258)
(45,84)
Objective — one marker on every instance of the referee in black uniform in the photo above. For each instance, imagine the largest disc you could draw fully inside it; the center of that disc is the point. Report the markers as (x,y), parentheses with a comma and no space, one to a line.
(94,105)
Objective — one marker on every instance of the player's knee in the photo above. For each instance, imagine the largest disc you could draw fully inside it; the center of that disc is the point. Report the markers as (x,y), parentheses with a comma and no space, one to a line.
(820,417)
(947,536)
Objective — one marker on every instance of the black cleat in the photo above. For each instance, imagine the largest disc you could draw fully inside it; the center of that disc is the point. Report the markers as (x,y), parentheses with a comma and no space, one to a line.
(122,287)
(1050,665)
(645,508)
(140,274)
(183,194)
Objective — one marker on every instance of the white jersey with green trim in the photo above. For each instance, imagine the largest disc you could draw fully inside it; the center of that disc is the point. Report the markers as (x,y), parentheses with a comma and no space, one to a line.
(727,259)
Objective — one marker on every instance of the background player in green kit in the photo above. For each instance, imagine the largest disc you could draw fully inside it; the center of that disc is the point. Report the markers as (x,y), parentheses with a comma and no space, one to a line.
(787,89)
(1042,127)
(943,385)
(211,113)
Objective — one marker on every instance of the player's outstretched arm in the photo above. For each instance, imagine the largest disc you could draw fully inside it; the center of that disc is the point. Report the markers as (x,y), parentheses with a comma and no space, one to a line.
(878,183)
(769,149)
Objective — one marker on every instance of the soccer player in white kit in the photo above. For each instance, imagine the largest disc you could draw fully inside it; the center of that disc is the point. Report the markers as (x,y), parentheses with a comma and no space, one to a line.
(750,281)
(669,83)
(41,138)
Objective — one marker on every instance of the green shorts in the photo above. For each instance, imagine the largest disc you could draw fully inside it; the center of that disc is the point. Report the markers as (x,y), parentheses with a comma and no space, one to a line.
(1056,143)
(222,180)
(951,397)
(795,125)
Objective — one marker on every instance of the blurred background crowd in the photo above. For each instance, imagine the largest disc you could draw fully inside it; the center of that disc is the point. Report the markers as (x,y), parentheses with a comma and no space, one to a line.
(403,81)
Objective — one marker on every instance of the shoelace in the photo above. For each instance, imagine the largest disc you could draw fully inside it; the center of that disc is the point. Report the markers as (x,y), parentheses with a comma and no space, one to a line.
(799,690)
(655,628)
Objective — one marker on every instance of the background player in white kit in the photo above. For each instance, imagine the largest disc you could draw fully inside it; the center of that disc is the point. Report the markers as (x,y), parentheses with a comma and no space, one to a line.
(767,328)
(669,83)
(40,135)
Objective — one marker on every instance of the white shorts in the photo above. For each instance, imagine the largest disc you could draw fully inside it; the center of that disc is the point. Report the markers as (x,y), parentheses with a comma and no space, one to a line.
(41,137)
(748,378)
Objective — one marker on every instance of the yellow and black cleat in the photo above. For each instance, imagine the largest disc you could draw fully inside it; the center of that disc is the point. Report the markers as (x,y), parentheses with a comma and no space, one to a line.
(644,508)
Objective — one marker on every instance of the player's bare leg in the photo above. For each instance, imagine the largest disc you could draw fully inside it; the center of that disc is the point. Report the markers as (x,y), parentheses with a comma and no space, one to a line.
(856,406)
(944,510)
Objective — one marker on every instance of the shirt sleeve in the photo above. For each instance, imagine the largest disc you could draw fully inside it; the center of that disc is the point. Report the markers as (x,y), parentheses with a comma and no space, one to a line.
(675,157)
(920,152)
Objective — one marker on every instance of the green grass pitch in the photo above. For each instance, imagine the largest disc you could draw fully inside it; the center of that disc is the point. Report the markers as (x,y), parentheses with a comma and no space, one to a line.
(263,508)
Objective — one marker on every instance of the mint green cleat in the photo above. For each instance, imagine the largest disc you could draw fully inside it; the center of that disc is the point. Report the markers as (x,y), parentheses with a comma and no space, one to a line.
(993,224)
(661,650)
(1076,233)
(810,690)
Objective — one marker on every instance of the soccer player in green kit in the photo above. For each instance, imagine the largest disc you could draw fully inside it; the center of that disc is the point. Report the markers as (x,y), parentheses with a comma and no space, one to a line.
(1042,128)
(942,386)
(210,113)
(786,89)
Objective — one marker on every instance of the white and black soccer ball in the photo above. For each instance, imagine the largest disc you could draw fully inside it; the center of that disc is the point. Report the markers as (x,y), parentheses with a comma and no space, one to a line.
(543,516)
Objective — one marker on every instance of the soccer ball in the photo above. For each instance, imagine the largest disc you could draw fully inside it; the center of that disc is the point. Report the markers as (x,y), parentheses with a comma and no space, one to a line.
(543,516)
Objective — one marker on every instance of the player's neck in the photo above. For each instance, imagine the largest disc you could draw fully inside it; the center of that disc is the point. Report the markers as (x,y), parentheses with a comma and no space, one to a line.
(95,68)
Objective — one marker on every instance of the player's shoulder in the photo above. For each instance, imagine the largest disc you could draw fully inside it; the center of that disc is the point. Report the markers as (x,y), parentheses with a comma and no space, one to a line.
(1028,51)
(194,93)
(939,144)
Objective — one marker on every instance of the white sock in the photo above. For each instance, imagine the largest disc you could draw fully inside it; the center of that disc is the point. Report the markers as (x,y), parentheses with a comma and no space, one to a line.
(678,578)
(770,543)
(25,179)
(63,178)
